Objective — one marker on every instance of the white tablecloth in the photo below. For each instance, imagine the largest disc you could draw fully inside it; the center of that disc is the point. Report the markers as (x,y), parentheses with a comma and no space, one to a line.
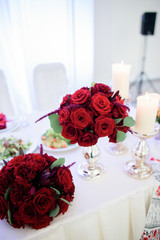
(112,207)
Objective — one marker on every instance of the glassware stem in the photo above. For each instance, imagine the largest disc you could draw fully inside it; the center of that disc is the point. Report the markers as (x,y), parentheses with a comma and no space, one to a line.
(91,169)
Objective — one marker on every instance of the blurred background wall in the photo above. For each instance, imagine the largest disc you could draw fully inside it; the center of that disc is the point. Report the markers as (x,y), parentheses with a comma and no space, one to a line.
(118,38)
(87,36)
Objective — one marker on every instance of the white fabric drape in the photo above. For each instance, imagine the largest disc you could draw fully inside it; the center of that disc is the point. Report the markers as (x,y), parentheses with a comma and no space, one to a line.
(12,54)
(44,31)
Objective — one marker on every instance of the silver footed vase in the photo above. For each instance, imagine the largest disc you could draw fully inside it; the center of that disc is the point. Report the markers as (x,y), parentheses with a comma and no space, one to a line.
(91,168)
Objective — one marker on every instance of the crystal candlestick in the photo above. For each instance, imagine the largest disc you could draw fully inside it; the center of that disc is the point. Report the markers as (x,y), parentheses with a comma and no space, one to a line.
(138,168)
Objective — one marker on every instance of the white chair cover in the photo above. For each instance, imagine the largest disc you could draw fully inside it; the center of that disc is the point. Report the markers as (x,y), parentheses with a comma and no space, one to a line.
(6,106)
(50,84)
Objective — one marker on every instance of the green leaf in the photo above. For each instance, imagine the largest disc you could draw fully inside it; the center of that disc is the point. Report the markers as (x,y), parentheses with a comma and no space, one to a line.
(51,132)
(68,141)
(64,200)
(9,217)
(158,119)
(92,84)
(120,136)
(59,162)
(129,122)
(57,192)
(6,195)
(117,120)
(54,212)
(54,122)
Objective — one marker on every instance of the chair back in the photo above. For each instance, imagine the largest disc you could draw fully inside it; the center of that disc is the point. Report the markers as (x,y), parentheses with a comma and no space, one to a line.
(50,84)
(6,106)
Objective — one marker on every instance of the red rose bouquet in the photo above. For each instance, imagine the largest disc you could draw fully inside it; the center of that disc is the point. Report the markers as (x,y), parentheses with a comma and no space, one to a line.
(2,121)
(158,115)
(91,113)
(34,189)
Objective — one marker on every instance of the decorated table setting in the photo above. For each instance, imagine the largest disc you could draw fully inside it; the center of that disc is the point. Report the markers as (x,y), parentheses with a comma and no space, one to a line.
(8,124)
(13,136)
(96,185)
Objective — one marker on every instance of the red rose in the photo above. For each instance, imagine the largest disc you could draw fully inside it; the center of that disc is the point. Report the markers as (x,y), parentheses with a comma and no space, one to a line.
(100,87)
(64,115)
(81,118)
(17,194)
(71,191)
(87,139)
(44,200)
(41,222)
(66,100)
(104,126)
(123,129)
(3,207)
(23,172)
(119,109)
(27,212)
(70,132)
(81,96)
(15,161)
(112,137)
(101,104)
(49,159)
(5,181)
(39,161)
(16,220)
(62,205)
(64,178)
(119,112)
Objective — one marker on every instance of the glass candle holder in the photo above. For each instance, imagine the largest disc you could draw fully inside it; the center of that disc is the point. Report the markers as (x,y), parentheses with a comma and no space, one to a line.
(138,167)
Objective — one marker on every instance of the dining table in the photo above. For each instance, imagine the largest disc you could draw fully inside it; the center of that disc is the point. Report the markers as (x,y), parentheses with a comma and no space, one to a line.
(111,207)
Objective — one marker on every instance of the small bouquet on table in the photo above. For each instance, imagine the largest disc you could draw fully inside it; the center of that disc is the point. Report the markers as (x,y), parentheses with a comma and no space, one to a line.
(3,121)
(158,115)
(158,121)
(88,114)
(34,189)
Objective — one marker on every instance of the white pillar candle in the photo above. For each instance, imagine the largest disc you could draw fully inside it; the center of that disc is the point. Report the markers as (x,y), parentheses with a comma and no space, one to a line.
(147,106)
(120,78)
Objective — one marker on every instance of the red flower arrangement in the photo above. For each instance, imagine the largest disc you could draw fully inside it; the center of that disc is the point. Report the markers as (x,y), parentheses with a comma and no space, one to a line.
(158,191)
(91,113)
(3,121)
(34,189)
(158,115)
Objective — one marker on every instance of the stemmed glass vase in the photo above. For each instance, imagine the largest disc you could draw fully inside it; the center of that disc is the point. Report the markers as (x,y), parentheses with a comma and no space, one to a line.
(91,169)
(117,148)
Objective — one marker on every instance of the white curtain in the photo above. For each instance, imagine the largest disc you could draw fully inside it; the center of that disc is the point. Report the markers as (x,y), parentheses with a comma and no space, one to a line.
(44,31)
